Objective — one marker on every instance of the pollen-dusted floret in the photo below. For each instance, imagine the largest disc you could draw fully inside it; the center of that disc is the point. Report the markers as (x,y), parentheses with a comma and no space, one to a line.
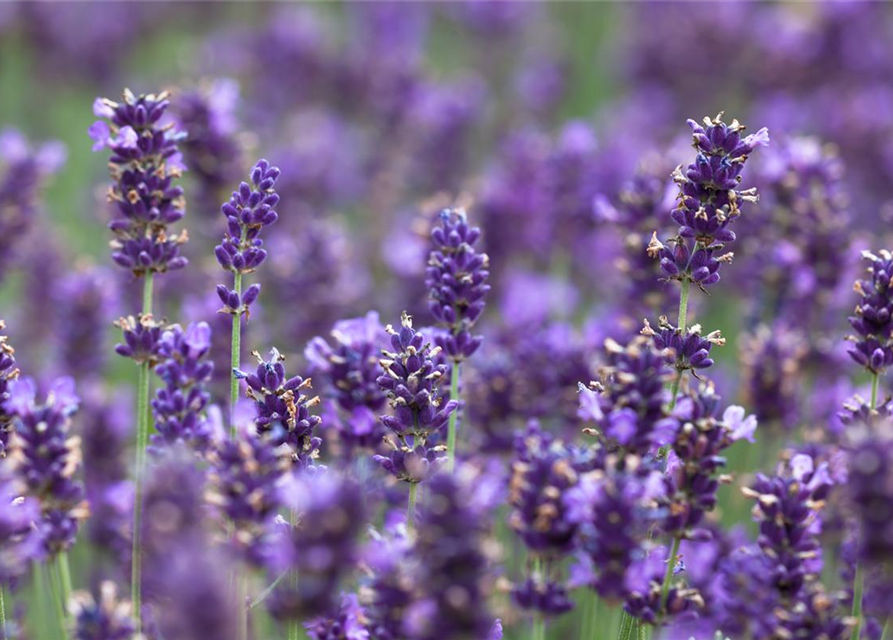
(144,163)
(873,318)
(683,352)
(142,339)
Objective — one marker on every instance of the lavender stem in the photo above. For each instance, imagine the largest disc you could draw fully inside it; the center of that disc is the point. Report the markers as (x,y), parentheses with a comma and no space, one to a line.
(451,434)
(142,438)
(683,317)
(410,509)
(2,613)
(668,574)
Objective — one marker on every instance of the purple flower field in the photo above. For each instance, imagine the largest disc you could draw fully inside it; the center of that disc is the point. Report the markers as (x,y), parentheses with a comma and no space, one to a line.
(470,320)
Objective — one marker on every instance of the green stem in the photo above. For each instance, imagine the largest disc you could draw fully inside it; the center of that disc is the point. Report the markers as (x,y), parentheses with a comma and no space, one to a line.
(64,576)
(627,624)
(142,440)
(2,613)
(410,508)
(859,579)
(681,324)
(263,595)
(886,633)
(538,631)
(293,626)
(451,434)
(56,591)
(235,358)
(668,575)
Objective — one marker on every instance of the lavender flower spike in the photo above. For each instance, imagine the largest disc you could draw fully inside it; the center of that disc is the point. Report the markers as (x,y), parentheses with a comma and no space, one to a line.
(144,163)
(873,318)
(103,618)
(8,373)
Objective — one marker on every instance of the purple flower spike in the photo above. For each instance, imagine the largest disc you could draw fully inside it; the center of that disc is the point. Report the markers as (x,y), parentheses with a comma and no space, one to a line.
(457,282)
(683,352)
(282,410)
(142,339)
(144,163)
(708,202)
(20,541)
(179,406)
(410,381)
(873,318)
(45,457)
(8,374)
(104,618)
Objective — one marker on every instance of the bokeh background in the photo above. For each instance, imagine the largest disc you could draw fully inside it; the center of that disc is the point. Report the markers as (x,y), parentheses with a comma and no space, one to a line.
(555,124)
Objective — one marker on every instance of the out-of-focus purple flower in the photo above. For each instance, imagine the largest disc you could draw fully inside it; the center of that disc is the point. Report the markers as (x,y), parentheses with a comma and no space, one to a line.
(144,163)
(643,580)
(243,485)
(103,618)
(457,281)
(708,201)
(46,458)
(212,151)
(23,172)
(179,406)
(9,372)
(20,542)
(683,352)
(85,300)
(248,211)
(873,318)
(772,356)
(350,370)
(629,409)
(321,546)
(451,602)
(282,410)
(410,380)
(348,623)
(869,491)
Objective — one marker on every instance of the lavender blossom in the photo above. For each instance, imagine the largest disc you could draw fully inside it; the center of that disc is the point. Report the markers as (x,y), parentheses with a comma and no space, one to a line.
(457,280)
(144,163)
(142,339)
(8,374)
(350,370)
(248,211)
(873,318)
(321,546)
(46,457)
(684,352)
(19,541)
(282,410)
(348,623)
(103,618)
(179,406)
(410,381)
(243,485)
(708,202)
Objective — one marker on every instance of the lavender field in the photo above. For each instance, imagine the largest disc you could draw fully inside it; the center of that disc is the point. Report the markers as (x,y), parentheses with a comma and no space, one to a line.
(465,320)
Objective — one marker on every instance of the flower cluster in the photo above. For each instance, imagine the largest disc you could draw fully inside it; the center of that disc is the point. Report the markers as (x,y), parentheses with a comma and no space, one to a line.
(410,380)
(457,282)
(46,457)
(144,163)
(248,211)
(282,410)
(873,318)
(104,618)
(629,408)
(349,369)
(142,339)
(9,372)
(19,541)
(179,406)
(319,546)
(708,202)
(684,352)
(243,485)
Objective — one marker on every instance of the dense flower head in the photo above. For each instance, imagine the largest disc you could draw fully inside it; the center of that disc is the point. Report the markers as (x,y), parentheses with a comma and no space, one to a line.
(46,457)
(23,171)
(8,373)
(644,581)
(19,541)
(410,381)
(243,485)
(144,163)
(708,201)
(348,623)
(628,408)
(873,318)
(695,461)
(321,545)
(106,617)
(456,278)
(142,339)
(349,369)
(179,406)
(282,409)
(543,471)
(448,544)
(684,350)
(248,211)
